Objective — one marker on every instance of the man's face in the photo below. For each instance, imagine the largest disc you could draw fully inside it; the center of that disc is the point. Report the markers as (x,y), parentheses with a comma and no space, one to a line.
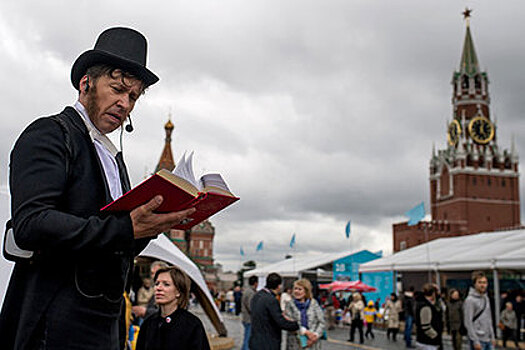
(153,270)
(481,285)
(110,100)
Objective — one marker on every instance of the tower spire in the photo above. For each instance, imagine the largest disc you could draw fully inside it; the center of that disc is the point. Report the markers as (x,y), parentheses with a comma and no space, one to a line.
(166,159)
(469,59)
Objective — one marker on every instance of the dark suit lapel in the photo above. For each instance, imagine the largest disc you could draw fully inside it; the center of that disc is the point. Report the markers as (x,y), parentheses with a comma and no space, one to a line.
(78,123)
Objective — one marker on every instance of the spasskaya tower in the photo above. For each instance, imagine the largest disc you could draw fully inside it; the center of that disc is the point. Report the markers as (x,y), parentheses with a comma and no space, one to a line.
(474,184)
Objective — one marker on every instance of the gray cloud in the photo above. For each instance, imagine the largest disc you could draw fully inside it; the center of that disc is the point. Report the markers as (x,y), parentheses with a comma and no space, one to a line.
(315,112)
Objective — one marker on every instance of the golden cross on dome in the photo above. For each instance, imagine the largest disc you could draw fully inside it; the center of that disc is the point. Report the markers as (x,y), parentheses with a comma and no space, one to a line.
(466,15)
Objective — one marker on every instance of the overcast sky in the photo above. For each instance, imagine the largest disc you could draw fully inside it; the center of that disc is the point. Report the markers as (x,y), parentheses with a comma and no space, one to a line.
(315,112)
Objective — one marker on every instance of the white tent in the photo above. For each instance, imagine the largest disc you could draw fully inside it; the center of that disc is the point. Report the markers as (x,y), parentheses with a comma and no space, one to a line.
(294,266)
(501,250)
(483,251)
(162,248)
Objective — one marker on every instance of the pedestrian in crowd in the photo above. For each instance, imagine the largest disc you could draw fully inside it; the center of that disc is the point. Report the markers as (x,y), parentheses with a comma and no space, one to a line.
(477,314)
(356,309)
(305,310)
(504,298)
(237,296)
(392,309)
(173,327)
(370,313)
(454,319)
(267,317)
(63,169)
(378,303)
(145,293)
(509,323)
(230,301)
(286,296)
(331,304)
(408,309)
(429,319)
(143,311)
(519,307)
(246,300)
(222,300)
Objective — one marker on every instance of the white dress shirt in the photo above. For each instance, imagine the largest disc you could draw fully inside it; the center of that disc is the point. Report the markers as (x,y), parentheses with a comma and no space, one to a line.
(106,151)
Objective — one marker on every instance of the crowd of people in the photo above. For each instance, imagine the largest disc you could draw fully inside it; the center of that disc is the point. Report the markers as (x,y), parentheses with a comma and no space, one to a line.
(426,314)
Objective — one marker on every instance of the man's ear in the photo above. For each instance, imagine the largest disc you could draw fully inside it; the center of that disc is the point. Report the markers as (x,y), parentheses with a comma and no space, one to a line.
(84,84)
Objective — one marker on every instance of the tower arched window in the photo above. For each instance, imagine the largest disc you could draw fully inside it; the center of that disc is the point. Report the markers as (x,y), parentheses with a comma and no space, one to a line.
(464,82)
(477,82)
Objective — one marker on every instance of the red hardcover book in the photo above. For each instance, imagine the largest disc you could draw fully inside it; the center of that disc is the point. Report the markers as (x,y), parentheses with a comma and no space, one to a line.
(178,194)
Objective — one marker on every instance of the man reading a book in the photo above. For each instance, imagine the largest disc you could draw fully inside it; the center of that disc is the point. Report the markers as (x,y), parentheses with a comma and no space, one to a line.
(63,169)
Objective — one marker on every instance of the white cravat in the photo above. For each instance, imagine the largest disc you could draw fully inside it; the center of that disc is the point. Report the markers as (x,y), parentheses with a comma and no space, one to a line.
(106,151)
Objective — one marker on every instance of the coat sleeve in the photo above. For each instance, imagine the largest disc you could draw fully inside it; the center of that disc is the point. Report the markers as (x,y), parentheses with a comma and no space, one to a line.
(319,323)
(276,315)
(39,184)
(468,315)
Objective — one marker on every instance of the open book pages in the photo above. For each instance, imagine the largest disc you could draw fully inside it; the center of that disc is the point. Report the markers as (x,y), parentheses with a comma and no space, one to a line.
(207,182)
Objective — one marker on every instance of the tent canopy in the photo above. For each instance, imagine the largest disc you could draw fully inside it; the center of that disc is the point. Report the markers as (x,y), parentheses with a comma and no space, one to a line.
(492,250)
(293,266)
(162,248)
(354,286)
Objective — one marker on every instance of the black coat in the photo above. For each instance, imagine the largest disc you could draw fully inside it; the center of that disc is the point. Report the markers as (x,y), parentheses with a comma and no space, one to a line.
(267,322)
(56,214)
(183,331)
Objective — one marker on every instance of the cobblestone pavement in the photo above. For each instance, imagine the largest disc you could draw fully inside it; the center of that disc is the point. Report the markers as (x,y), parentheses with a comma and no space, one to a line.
(337,338)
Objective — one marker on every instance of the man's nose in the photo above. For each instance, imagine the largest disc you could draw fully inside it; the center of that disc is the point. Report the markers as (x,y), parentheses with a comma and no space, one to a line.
(124,102)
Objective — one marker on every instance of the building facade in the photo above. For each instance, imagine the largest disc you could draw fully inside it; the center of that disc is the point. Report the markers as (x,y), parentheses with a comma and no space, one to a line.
(196,243)
(474,183)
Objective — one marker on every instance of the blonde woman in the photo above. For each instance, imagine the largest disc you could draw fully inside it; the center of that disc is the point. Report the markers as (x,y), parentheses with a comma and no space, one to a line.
(357,311)
(306,311)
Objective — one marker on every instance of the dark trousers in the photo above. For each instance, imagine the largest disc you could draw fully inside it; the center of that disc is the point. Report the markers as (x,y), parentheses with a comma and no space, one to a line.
(357,324)
(409,322)
(369,327)
(509,333)
(392,331)
(457,340)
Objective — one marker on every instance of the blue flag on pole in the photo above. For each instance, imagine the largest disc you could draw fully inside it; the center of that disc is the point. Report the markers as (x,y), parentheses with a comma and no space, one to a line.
(416,214)
(259,246)
(292,241)
(347,229)
(242,251)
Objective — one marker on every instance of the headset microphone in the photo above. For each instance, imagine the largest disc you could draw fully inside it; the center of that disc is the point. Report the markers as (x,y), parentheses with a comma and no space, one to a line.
(87,84)
(129,127)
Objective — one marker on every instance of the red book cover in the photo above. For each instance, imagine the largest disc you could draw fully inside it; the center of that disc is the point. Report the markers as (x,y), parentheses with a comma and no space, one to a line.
(175,199)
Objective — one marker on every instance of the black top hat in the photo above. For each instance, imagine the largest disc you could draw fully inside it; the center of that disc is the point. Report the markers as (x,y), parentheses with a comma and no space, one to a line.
(122,48)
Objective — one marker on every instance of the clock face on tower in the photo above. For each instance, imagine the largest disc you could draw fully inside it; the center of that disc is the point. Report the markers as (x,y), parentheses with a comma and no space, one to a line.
(454,130)
(481,129)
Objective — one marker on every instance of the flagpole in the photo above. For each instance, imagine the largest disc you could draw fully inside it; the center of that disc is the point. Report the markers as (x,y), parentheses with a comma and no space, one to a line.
(425,226)
(293,257)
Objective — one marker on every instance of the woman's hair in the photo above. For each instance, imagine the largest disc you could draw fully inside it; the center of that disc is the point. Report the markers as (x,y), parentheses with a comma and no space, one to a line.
(306,285)
(429,289)
(452,291)
(181,281)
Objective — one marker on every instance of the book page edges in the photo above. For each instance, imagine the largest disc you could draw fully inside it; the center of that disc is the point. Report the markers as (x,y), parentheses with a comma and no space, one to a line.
(179,182)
